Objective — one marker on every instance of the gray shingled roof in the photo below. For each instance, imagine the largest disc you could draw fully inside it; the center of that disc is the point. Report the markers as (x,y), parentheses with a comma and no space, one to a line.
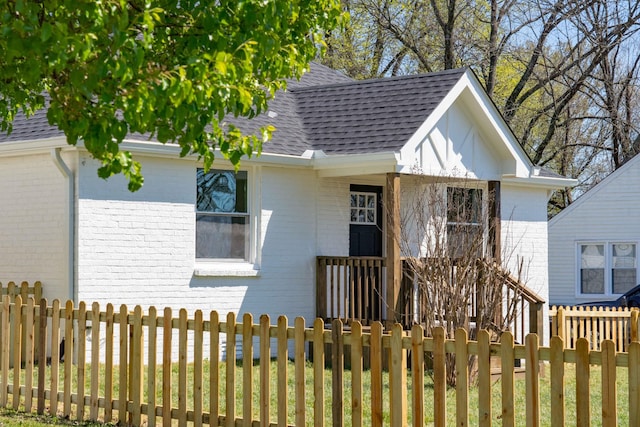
(326,111)
(371,115)
(34,128)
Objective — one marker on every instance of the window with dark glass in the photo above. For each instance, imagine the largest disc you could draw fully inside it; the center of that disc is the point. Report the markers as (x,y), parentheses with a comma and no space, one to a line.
(592,267)
(464,221)
(607,268)
(222,215)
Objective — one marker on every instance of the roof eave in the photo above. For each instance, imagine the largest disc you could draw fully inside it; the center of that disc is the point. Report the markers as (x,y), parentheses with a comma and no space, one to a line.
(550,183)
(33,146)
(356,164)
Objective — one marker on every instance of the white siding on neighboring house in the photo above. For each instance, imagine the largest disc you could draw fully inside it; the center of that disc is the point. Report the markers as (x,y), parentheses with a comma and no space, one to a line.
(607,214)
(524,236)
(33,225)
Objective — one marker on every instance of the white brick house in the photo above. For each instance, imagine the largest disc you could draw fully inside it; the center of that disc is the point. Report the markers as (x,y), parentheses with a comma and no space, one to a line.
(92,240)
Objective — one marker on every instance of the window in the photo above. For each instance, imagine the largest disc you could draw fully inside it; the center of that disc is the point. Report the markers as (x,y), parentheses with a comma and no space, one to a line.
(607,268)
(363,208)
(222,215)
(464,221)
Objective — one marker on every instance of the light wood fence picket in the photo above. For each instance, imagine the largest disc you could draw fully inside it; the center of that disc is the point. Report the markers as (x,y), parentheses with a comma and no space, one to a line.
(24,290)
(128,382)
(597,324)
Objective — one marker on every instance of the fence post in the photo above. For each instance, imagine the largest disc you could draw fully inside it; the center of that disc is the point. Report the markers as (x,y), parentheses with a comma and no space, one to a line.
(536,320)
(583,405)
(634,324)
(231,370)
(462,377)
(42,353)
(299,362)
(265,361)
(439,377)
(337,368)
(560,320)
(17,340)
(609,401)
(123,387)
(5,327)
(136,363)
(508,381)
(397,382)
(321,288)
(634,381)
(356,374)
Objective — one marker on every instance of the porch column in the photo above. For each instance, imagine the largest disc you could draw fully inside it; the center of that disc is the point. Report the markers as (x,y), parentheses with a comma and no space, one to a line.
(394,263)
(495,242)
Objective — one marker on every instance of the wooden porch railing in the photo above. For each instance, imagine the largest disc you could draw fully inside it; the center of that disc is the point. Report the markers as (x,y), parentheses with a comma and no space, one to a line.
(350,288)
(354,288)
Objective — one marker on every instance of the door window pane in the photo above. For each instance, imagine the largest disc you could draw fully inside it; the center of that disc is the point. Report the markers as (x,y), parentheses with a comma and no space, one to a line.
(363,208)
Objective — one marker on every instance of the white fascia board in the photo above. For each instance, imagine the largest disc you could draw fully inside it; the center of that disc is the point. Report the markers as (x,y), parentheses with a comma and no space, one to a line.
(356,164)
(551,183)
(19,148)
(153,148)
(331,165)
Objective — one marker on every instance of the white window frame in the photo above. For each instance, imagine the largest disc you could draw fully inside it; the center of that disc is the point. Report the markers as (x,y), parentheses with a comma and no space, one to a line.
(374,209)
(228,267)
(483,210)
(608,267)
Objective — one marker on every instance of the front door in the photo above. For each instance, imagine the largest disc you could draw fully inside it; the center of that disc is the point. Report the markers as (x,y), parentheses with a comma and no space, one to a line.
(365,240)
(365,226)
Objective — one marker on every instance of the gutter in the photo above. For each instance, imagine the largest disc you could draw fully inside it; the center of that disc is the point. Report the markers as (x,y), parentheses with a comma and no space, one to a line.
(68,174)
(542,182)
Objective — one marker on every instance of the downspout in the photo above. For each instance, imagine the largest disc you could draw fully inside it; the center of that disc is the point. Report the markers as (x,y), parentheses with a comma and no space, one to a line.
(68,174)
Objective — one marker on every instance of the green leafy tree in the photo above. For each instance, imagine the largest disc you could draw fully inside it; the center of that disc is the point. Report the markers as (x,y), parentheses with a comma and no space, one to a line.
(172,70)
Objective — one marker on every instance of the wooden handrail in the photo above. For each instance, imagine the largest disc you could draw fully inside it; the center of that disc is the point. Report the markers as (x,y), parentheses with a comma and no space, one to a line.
(513,283)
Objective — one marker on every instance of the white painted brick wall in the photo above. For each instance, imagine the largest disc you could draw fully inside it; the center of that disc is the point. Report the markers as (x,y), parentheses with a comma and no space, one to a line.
(524,234)
(140,248)
(33,204)
(333,216)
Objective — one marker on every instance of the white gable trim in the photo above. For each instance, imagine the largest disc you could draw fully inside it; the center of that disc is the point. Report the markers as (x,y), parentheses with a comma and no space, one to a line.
(469,86)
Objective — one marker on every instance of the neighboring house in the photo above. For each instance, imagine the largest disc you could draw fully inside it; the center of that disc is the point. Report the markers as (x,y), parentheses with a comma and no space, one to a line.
(248,242)
(593,243)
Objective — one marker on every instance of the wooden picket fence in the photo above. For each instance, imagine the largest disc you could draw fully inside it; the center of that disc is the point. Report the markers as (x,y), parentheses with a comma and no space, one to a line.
(597,324)
(23,289)
(133,346)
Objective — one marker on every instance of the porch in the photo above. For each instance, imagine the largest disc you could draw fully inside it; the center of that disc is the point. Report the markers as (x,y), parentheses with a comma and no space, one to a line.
(357,289)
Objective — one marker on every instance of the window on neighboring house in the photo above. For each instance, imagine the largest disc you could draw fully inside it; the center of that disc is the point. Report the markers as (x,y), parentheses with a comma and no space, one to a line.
(464,221)
(607,268)
(222,215)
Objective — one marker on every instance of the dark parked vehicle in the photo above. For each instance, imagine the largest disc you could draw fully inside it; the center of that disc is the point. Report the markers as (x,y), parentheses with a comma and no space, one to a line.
(631,298)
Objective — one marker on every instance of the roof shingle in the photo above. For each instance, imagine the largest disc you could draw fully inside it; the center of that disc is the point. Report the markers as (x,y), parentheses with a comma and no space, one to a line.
(325,110)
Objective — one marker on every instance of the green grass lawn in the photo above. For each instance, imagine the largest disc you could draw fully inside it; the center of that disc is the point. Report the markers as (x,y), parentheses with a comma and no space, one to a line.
(8,417)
